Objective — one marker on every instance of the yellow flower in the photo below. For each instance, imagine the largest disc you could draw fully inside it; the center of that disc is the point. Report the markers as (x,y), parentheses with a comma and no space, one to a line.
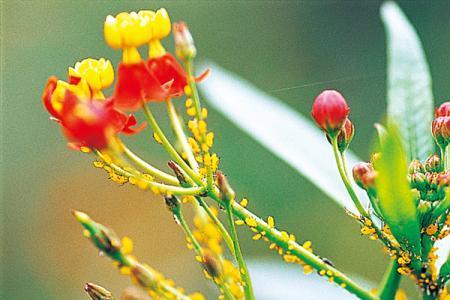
(98,73)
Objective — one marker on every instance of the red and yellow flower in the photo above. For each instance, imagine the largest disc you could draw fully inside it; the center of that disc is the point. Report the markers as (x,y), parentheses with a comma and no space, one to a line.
(87,119)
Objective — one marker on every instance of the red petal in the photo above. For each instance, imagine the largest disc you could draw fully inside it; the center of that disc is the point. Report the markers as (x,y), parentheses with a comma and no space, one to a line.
(203,76)
(47,96)
(166,68)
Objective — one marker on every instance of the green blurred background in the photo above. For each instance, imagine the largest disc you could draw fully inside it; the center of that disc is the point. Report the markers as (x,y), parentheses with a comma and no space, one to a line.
(299,45)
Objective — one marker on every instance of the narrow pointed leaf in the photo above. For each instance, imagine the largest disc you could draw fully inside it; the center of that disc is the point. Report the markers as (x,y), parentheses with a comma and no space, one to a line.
(409,92)
(395,198)
(289,135)
(444,273)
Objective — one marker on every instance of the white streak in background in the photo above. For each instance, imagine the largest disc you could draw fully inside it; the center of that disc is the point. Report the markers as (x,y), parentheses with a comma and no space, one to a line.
(443,251)
(278,281)
(285,132)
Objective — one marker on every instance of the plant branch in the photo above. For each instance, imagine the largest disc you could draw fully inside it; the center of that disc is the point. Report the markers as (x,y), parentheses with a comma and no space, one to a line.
(390,282)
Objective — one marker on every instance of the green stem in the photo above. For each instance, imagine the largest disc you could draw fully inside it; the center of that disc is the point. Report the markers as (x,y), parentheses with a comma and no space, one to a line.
(248,289)
(309,258)
(226,236)
(446,158)
(168,146)
(148,168)
(189,66)
(178,129)
(344,178)
(390,282)
(199,250)
(175,190)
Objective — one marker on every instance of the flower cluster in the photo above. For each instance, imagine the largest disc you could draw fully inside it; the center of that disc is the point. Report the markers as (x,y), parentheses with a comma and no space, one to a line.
(429,184)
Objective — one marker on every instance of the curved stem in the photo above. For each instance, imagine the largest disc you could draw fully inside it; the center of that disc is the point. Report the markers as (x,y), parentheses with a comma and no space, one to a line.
(243,270)
(390,282)
(168,146)
(226,236)
(175,190)
(178,129)
(199,250)
(345,180)
(147,167)
(309,258)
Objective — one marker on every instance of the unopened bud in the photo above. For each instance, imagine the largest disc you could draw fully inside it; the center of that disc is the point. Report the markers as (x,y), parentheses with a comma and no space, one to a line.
(226,192)
(345,135)
(424,207)
(418,181)
(443,110)
(440,128)
(97,292)
(142,275)
(330,110)
(172,203)
(184,43)
(104,238)
(433,163)
(443,179)
(364,175)
(177,170)
(416,167)
(212,265)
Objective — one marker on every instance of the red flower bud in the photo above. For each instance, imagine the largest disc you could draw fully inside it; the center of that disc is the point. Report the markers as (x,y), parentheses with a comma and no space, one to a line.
(443,110)
(440,128)
(184,43)
(330,110)
(364,175)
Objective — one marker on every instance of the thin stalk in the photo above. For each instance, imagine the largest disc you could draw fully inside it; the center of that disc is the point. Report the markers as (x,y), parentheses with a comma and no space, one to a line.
(189,66)
(243,270)
(168,146)
(175,190)
(226,236)
(309,258)
(178,129)
(390,282)
(446,158)
(147,167)
(199,250)
(345,180)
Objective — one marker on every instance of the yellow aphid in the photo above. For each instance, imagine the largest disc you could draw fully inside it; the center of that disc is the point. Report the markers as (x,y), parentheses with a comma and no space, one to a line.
(244,202)
(250,221)
(191,111)
(239,222)
(127,245)
(157,138)
(86,233)
(189,103)
(125,270)
(202,127)
(207,160)
(188,92)
(210,139)
(85,149)
(256,237)
(99,164)
(432,229)
(204,113)
(214,162)
(270,222)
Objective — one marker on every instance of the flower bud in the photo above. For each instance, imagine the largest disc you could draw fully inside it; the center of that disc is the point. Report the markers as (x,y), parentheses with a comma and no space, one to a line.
(330,110)
(416,167)
(440,128)
(97,292)
(212,265)
(419,181)
(443,110)
(433,163)
(345,135)
(133,293)
(172,203)
(226,192)
(443,179)
(184,43)
(424,207)
(364,175)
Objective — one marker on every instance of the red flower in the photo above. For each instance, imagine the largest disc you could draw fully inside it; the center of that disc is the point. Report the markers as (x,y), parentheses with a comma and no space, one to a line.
(443,110)
(87,122)
(169,72)
(330,111)
(135,84)
(440,128)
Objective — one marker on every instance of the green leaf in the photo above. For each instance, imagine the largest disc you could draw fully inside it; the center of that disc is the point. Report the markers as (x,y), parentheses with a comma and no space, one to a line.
(409,97)
(444,273)
(289,135)
(395,198)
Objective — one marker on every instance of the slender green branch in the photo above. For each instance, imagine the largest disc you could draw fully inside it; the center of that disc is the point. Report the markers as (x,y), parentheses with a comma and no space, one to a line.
(226,236)
(243,270)
(168,146)
(178,129)
(175,190)
(345,180)
(199,250)
(314,261)
(390,282)
(189,66)
(147,167)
